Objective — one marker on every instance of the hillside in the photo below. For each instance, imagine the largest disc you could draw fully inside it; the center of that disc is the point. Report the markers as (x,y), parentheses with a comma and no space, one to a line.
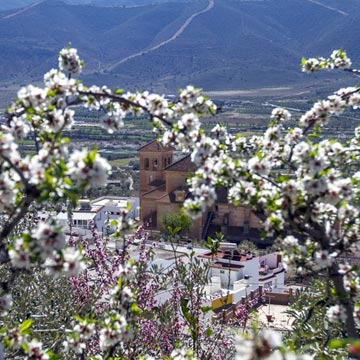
(249,44)
(30,41)
(16,4)
(221,46)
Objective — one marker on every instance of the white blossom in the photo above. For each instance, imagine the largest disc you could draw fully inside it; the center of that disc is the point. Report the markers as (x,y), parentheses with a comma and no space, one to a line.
(323,258)
(84,168)
(258,166)
(69,61)
(337,104)
(8,147)
(336,313)
(312,64)
(114,331)
(74,344)
(301,151)
(20,255)
(49,238)
(8,191)
(340,60)
(35,350)
(56,80)
(19,128)
(5,303)
(32,96)
(280,114)
(73,263)
(290,242)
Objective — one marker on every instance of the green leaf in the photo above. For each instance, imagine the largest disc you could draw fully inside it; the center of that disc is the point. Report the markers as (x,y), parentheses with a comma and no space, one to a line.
(338,343)
(335,344)
(77,318)
(135,309)
(25,326)
(53,356)
(206,309)
(282,178)
(185,311)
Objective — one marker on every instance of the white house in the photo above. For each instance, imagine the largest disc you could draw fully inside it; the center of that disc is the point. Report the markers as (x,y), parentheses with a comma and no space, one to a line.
(100,211)
(271,272)
(234,275)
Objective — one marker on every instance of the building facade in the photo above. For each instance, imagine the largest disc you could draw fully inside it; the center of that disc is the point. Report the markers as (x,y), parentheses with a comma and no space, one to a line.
(163,189)
(234,276)
(100,212)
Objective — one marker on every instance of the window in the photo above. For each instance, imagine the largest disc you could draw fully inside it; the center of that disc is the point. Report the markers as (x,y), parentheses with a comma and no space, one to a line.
(146,163)
(155,164)
(246,227)
(179,195)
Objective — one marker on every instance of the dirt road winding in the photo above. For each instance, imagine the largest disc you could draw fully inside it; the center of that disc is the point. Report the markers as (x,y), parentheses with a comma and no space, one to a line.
(163,43)
(18,12)
(329,7)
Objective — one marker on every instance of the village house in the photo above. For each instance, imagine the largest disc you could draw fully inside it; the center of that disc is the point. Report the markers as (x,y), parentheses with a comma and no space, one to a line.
(100,212)
(235,276)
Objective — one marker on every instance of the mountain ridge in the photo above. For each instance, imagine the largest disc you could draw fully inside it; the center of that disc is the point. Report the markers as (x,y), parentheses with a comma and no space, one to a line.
(234,45)
(6,5)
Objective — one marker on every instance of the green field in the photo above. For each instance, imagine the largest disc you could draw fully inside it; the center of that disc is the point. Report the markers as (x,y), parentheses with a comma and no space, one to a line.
(122,162)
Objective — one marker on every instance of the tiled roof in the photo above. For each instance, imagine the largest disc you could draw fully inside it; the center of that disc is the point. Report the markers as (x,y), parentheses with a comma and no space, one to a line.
(221,265)
(172,195)
(157,182)
(154,194)
(235,256)
(185,165)
(155,146)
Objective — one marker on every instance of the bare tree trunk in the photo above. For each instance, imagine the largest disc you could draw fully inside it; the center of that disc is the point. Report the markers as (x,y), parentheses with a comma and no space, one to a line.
(345,301)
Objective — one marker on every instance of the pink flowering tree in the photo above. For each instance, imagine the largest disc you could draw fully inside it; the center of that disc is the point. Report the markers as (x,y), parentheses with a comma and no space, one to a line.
(305,190)
(164,307)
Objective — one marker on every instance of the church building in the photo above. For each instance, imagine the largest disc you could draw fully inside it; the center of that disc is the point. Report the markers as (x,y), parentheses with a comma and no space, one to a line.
(163,190)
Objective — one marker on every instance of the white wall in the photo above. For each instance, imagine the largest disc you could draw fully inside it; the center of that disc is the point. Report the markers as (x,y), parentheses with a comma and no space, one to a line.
(277,281)
(251,269)
(227,277)
(240,289)
(111,212)
(280,283)
(270,260)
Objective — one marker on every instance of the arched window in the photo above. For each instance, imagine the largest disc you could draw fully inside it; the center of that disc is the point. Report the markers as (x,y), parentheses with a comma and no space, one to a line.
(155,164)
(146,163)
